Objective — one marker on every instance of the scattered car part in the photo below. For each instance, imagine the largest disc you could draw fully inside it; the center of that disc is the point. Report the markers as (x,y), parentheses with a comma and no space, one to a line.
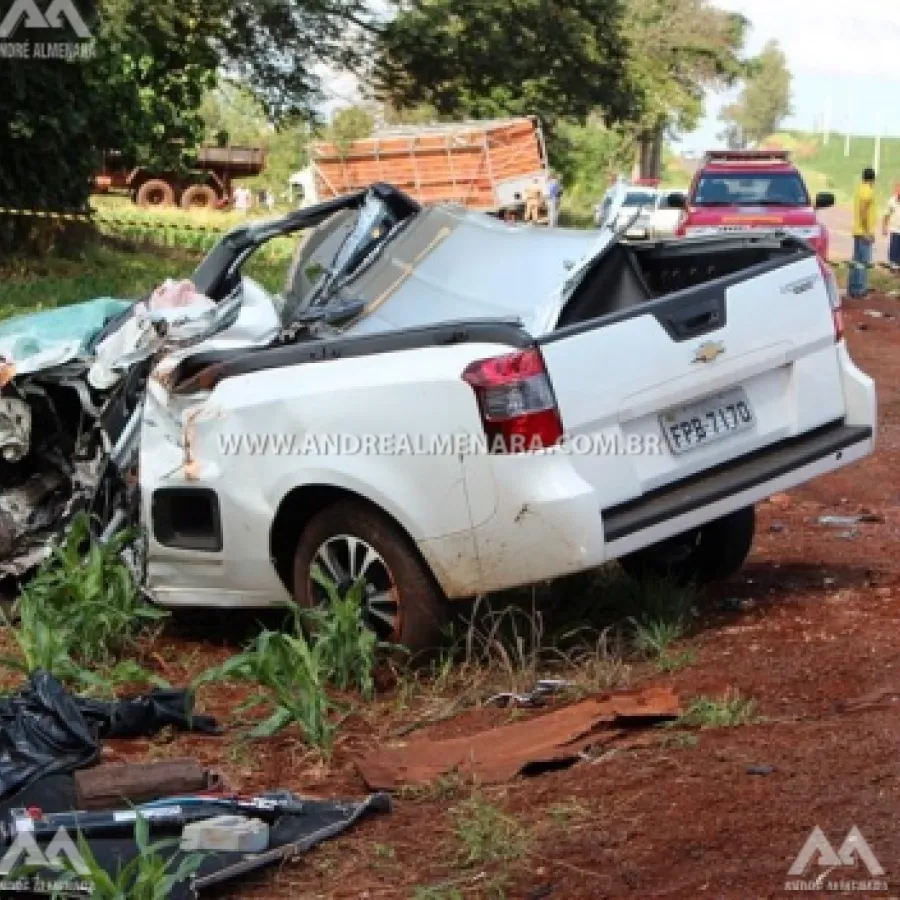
(499,754)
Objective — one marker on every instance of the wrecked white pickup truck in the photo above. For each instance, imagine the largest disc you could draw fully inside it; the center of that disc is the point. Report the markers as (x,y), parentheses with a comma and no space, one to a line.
(721,360)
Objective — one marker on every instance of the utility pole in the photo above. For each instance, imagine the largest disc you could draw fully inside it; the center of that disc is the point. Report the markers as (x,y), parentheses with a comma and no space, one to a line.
(876,162)
(826,128)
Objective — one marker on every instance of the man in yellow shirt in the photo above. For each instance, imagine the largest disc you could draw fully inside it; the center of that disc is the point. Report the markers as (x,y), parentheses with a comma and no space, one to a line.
(864,222)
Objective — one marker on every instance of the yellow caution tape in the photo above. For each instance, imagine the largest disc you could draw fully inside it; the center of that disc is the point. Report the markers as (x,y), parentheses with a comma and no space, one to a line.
(157,224)
(45,214)
(108,220)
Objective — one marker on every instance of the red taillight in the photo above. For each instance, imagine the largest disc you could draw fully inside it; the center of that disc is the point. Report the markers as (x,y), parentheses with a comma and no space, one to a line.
(516,401)
(834,298)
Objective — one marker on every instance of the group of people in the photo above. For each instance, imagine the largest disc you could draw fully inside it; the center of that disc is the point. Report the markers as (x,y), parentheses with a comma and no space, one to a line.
(243,198)
(536,197)
(865,223)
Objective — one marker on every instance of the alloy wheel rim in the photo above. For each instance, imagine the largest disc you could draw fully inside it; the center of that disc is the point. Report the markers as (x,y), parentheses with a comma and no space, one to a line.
(345,559)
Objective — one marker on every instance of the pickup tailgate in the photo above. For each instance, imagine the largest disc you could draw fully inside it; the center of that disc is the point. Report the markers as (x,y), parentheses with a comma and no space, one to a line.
(667,390)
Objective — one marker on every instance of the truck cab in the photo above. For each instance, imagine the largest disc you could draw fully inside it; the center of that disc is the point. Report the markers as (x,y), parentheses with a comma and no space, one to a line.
(753,191)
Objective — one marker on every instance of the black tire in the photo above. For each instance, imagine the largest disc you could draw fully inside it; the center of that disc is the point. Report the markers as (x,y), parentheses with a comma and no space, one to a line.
(713,552)
(155,192)
(199,196)
(422,611)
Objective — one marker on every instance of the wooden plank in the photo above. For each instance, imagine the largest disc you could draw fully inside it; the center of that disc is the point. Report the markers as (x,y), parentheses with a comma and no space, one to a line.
(110,786)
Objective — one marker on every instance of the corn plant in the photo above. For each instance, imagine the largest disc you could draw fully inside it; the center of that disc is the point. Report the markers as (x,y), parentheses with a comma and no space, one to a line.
(82,610)
(294,670)
(292,675)
(347,646)
(149,876)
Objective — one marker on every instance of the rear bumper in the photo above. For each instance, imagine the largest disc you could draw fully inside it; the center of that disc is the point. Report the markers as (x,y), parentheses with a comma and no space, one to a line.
(734,477)
(551,525)
(549,521)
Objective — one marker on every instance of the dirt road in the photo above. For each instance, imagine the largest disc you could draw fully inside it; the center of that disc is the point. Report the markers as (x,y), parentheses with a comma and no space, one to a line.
(810,632)
(839,221)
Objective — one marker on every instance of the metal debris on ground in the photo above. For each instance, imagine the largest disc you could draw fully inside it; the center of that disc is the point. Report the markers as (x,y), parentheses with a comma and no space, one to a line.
(850,521)
(499,754)
(546,687)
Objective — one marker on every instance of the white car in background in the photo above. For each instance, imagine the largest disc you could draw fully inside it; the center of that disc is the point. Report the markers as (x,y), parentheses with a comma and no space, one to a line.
(666,217)
(638,204)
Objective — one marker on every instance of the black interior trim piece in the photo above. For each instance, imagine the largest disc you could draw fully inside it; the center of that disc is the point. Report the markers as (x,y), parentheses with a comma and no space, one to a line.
(211,275)
(732,477)
(202,370)
(664,308)
(187,518)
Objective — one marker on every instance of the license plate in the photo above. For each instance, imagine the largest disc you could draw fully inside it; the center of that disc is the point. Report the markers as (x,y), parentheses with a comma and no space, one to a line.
(707,421)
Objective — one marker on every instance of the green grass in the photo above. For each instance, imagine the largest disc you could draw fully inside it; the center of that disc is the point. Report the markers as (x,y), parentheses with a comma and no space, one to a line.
(665,609)
(103,270)
(728,711)
(109,268)
(486,834)
(81,615)
(293,672)
(826,168)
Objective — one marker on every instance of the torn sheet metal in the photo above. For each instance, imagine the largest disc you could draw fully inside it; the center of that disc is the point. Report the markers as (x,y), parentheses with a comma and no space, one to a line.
(508,272)
(15,429)
(174,312)
(499,754)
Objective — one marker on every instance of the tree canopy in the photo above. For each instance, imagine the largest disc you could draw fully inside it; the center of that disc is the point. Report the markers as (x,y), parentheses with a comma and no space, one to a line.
(484,58)
(141,91)
(764,102)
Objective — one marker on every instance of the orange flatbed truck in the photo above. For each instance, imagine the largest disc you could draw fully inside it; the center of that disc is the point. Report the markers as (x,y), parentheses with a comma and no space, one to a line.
(482,165)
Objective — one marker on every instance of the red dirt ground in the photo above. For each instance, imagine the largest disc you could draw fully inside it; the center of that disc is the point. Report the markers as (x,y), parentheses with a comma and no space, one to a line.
(812,623)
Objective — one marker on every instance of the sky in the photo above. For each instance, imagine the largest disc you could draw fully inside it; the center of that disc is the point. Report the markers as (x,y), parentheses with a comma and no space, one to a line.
(844,56)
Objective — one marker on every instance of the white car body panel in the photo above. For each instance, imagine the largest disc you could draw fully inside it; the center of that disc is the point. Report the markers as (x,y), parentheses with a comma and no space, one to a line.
(486,522)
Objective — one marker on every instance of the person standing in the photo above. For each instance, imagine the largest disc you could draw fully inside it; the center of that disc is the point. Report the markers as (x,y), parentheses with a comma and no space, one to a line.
(242,199)
(554,195)
(891,229)
(533,197)
(863,235)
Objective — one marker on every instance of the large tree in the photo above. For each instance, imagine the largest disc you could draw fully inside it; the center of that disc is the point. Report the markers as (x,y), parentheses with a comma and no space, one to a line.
(141,91)
(764,102)
(642,64)
(482,58)
(677,50)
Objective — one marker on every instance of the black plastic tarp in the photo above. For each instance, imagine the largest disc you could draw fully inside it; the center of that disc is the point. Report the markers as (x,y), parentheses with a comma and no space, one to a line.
(44,730)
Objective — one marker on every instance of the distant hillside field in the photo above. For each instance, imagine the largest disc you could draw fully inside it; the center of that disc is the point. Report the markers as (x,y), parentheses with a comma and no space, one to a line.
(826,168)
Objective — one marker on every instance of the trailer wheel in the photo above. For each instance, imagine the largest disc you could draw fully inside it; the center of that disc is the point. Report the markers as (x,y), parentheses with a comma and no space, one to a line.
(155,192)
(198,196)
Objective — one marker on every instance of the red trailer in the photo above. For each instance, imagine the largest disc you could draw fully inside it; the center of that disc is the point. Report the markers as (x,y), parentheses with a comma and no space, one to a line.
(484,165)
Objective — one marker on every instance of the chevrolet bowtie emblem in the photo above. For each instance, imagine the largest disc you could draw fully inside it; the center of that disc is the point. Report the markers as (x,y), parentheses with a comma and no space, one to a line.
(709,351)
